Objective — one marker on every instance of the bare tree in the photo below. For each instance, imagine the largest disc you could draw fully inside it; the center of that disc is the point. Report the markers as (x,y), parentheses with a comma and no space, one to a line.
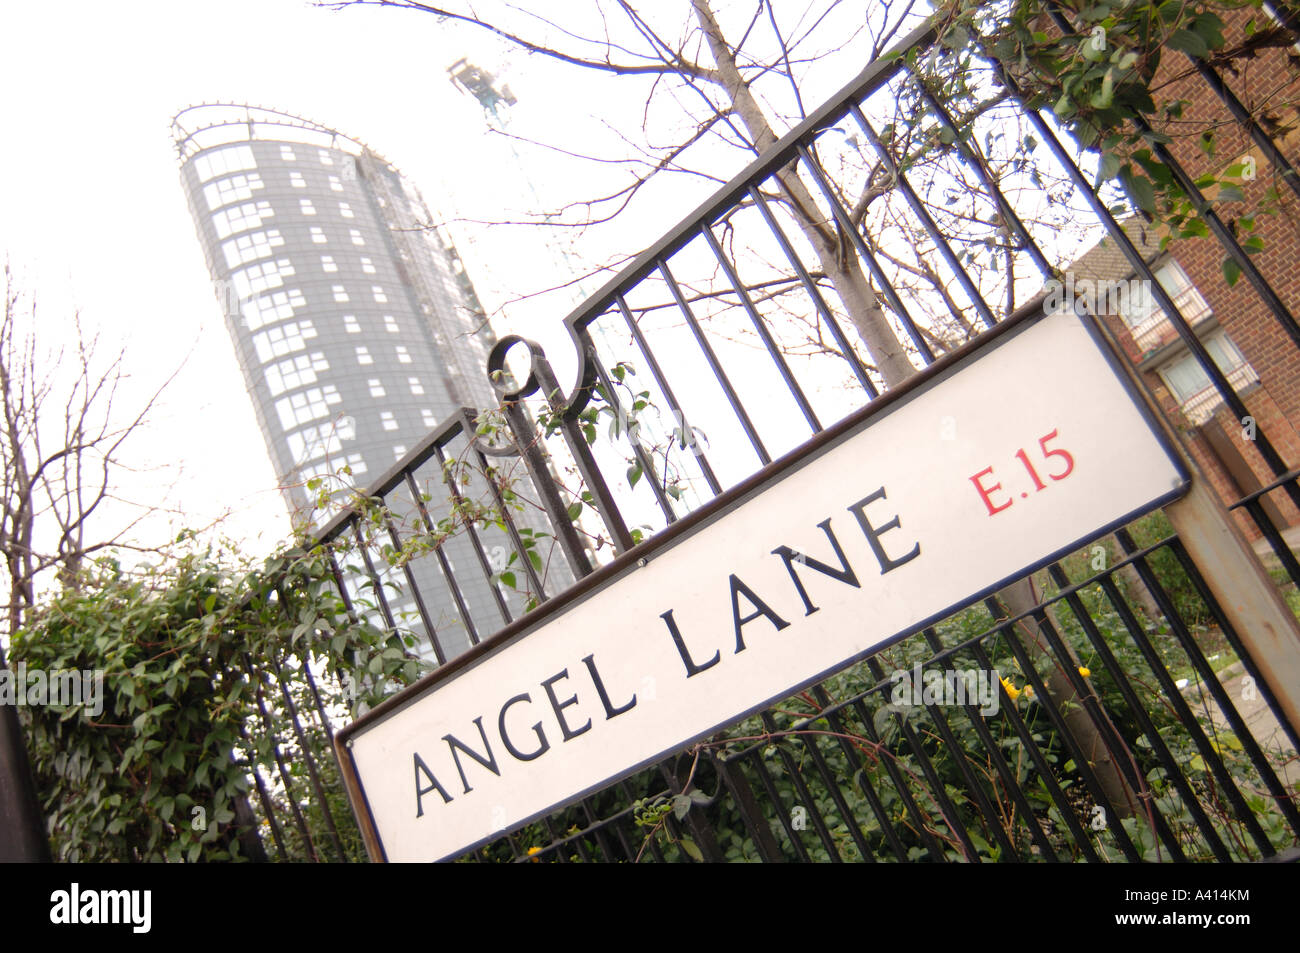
(62,433)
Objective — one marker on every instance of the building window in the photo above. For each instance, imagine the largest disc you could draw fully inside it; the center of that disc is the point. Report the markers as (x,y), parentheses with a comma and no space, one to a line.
(363,355)
(350,324)
(260,277)
(286,153)
(295,372)
(352,463)
(399,451)
(306,406)
(297,181)
(1191,386)
(283,339)
(312,442)
(367,266)
(272,307)
(234,188)
(335,184)
(306,206)
(388,420)
(346,210)
(318,235)
(356,236)
(327,263)
(246,248)
(416,387)
(340,293)
(390,324)
(403,356)
(325,158)
(217,162)
(376,387)
(427,417)
(1147,323)
(241,218)
(378,292)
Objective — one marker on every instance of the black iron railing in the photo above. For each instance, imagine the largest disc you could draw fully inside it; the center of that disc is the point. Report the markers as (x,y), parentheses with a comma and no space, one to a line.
(731,340)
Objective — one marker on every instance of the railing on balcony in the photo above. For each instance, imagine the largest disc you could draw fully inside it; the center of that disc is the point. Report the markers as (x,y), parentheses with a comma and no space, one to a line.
(1155,330)
(1205,403)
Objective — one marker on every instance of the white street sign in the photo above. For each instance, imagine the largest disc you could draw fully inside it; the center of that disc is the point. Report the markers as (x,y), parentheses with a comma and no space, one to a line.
(1018,453)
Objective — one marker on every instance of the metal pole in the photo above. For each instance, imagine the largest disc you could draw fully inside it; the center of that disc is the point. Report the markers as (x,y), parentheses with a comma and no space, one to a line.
(22,827)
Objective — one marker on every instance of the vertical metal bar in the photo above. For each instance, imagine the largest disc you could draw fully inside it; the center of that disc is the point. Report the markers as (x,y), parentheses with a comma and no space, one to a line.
(1030,747)
(476,543)
(1172,771)
(976,162)
(420,607)
(855,757)
(901,787)
(1280,548)
(1239,725)
(715,366)
(848,227)
(648,468)
(300,822)
(1185,715)
(764,333)
(742,794)
(673,403)
(774,797)
(384,609)
(802,793)
(999,762)
(308,759)
(1063,731)
(268,807)
(512,531)
(814,293)
(927,220)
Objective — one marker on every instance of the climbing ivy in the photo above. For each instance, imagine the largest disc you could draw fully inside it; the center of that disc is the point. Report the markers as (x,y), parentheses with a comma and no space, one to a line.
(199,660)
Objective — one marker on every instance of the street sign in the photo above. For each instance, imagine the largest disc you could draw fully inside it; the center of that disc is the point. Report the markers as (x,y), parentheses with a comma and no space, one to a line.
(984,468)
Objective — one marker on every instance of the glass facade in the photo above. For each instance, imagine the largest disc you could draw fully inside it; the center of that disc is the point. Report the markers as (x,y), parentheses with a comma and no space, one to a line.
(354,323)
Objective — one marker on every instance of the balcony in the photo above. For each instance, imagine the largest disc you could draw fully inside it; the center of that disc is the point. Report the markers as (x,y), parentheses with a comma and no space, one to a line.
(1202,405)
(1153,330)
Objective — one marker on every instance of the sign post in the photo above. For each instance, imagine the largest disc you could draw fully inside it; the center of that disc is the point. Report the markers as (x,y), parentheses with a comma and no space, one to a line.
(990,464)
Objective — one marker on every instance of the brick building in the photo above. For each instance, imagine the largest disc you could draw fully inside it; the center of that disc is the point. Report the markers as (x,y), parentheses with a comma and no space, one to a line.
(1234,322)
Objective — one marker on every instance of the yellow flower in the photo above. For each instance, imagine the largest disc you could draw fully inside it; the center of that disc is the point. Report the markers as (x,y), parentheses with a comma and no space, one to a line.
(1029,691)
(533,852)
(1085,671)
(1010,689)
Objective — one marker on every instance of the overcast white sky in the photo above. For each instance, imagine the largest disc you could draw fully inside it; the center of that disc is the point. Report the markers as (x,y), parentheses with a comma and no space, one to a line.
(92,215)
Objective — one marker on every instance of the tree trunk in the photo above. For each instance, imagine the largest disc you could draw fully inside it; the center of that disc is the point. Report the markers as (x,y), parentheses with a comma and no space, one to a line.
(838,262)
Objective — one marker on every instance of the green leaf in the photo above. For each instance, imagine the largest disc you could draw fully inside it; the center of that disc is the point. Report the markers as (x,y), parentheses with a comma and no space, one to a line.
(574,510)
(1140,189)
(633,474)
(692,851)
(681,806)
(1188,42)
(1231,271)
(508,579)
(1229,193)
